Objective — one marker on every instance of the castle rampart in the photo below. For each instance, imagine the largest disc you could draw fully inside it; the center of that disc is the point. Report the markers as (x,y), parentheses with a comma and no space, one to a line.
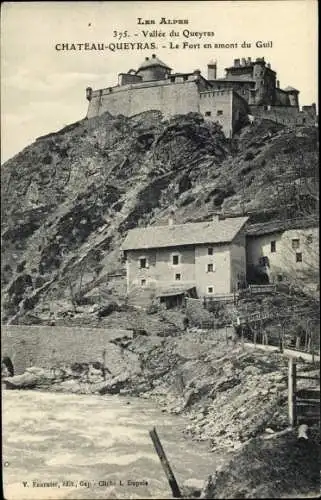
(287,115)
(224,106)
(163,96)
(249,88)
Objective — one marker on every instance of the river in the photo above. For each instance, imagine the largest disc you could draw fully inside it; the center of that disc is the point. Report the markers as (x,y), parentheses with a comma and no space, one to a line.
(87,446)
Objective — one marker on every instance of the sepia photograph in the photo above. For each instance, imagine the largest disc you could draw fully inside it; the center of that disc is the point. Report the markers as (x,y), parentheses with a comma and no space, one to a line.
(160,291)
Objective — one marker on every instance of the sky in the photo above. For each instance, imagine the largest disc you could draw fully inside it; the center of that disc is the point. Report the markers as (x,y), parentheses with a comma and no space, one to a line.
(43,89)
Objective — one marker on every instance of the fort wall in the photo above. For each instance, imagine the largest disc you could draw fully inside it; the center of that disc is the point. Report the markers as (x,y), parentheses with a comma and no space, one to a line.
(281,98)
(288,115)
(240,111)
(226,107)
(169,98)
(217,106)
(46,346)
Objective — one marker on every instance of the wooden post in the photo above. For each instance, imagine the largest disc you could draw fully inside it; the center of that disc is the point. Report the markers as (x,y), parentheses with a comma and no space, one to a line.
(104,364)
(280,340)
(165,464)
(303,432)
(292,391)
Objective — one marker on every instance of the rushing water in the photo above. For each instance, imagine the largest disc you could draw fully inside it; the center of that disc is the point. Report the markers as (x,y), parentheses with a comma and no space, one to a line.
(86,446)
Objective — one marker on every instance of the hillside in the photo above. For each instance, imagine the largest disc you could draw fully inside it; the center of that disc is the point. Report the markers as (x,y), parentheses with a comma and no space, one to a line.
(69,198)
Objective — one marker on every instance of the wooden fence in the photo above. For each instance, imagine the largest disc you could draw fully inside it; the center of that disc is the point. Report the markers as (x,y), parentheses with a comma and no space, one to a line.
(224,297)
(303,404)
(258,289)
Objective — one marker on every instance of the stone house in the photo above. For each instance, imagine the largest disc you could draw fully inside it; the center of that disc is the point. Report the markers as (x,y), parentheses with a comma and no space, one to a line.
(283,250)
(205,257)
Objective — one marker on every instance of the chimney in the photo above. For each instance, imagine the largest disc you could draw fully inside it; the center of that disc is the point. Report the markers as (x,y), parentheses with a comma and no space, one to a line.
(278,84)
(249,60)
(89,92)
(171,218)
(236,62)
(211,70)
(243,61)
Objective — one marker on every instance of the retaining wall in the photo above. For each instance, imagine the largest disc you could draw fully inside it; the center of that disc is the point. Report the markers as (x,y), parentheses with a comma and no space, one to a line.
(46,346)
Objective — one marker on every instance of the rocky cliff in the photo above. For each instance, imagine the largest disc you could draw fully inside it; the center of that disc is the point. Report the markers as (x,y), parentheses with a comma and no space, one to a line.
(69,198)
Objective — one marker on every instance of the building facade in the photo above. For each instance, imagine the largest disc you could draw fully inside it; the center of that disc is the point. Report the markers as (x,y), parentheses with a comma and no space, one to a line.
(248,88)
(284,254)
(208,256)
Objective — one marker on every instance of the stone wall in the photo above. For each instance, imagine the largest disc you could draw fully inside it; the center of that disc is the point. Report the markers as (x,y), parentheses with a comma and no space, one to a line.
(287,115)
(217,106)
(240,111)
(47,346)
(128,100)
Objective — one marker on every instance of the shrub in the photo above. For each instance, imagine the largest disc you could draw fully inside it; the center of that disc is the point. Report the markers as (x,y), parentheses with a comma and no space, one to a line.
(249,156)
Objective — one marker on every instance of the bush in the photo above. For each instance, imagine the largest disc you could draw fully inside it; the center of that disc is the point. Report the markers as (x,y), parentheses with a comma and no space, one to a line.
(249,156)
(107,309)
(152,309)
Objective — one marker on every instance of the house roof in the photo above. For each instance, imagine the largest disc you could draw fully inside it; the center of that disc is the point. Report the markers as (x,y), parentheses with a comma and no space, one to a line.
(281,225)
(290,89)
(153,61)
(171,291)
(215,232)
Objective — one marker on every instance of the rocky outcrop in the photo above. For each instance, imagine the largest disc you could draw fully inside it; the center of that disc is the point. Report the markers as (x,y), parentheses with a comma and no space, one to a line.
(69,198)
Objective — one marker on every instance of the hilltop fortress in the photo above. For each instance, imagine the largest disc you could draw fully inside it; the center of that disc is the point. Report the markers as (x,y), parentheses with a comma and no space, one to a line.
(249,89)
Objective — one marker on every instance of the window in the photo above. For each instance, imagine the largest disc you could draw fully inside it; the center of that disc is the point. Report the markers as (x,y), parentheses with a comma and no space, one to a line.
(175,260)
(177,277)
(210,268)
(295,243)
(264,261)
(208,113)
(309,239)
(209,289)
(143,282)
(219,112)
(298,257)
(185,77)
(210,251)
(273,246)
(143,263)
(279,277)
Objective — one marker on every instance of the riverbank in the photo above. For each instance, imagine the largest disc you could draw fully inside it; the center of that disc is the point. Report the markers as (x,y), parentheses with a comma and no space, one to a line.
(227,393)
